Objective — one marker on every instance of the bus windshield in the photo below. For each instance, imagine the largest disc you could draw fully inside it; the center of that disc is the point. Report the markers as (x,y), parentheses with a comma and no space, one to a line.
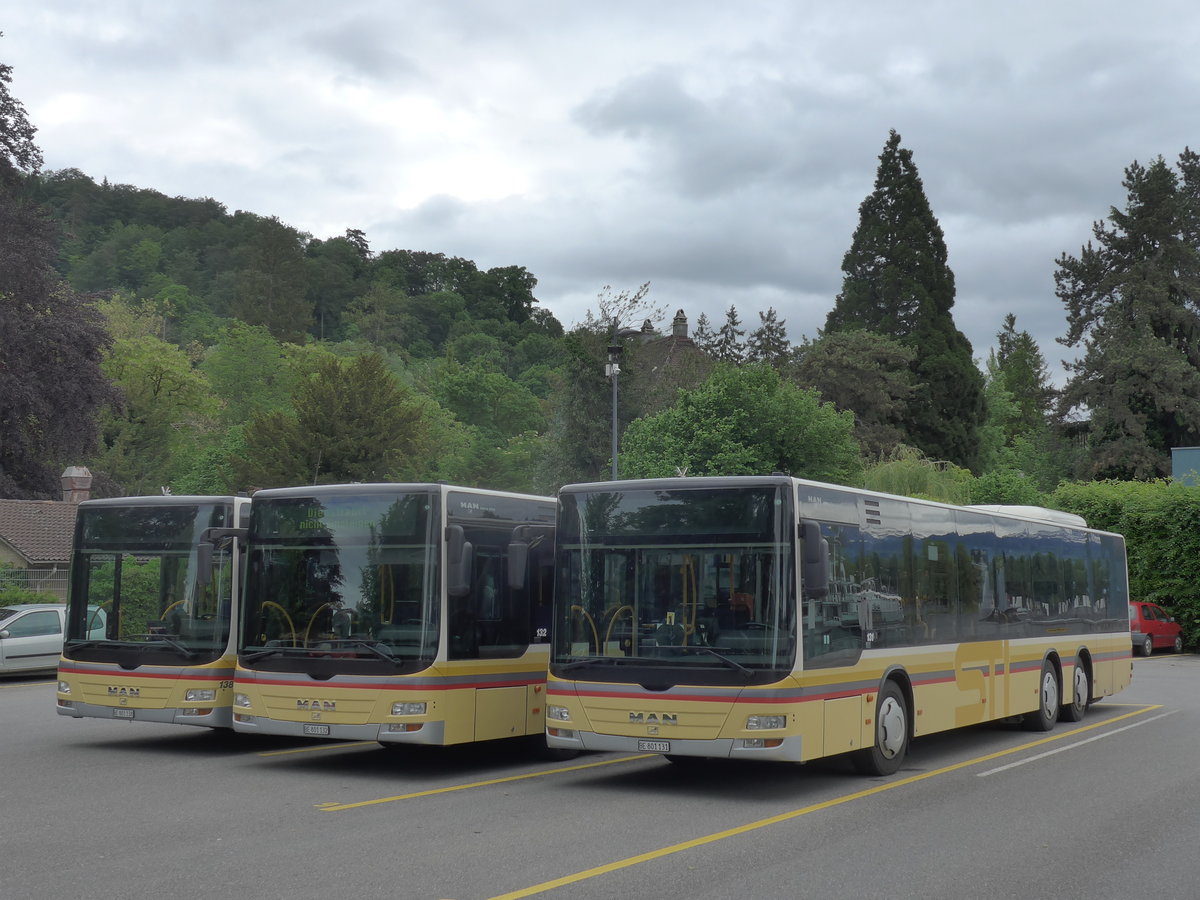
(683,579)
(135,594)
(342,576)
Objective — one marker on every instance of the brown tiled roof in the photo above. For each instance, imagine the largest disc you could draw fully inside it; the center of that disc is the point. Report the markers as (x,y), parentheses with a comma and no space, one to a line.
(39,530)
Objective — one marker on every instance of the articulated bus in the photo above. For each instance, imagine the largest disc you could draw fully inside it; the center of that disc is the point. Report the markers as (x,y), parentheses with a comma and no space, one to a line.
(397,613)
(152,598)
(783,619)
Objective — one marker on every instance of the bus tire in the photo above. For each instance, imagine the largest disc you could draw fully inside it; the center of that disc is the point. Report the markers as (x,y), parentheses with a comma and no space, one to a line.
(1046,714)
(886,754)
(1081,684)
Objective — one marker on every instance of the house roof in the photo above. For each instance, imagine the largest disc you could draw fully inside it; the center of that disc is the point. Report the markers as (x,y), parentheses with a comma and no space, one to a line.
(39,530)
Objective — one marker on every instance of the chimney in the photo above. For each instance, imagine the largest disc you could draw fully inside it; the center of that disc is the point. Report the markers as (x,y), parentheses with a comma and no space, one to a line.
(679,327)
(76,484)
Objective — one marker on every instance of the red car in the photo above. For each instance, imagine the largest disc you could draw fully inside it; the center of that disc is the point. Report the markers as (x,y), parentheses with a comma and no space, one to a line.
(1153,629)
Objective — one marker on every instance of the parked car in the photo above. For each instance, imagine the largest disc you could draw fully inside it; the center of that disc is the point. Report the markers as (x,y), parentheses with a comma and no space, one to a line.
(1153,629)
(31,636)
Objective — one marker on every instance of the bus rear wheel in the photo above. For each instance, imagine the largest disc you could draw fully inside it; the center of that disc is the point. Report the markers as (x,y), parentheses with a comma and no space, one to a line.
(1046,714)
(886,754)
(1081,690)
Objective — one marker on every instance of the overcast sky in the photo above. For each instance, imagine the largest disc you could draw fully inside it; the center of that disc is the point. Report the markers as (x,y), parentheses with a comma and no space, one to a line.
(719,151)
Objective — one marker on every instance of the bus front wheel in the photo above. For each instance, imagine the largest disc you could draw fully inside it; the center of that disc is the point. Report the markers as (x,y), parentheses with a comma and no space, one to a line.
(887,753)
(1046,714)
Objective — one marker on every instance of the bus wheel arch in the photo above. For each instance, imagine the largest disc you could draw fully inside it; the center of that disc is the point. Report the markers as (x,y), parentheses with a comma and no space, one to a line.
(892,728)
(1049,696)
(1081,688)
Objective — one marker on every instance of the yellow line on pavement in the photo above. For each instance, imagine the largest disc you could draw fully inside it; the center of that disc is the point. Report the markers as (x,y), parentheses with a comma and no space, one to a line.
(338,807)
(596,871)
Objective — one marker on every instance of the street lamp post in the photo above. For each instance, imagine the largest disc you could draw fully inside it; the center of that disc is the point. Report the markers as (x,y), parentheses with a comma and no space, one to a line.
(613,371)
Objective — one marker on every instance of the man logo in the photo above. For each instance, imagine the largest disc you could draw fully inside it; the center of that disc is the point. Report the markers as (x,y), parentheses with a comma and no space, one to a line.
(317,705)
(124,691)
(637,718)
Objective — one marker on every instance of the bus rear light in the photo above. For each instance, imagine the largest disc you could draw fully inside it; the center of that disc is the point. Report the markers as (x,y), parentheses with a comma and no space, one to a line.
(402,727)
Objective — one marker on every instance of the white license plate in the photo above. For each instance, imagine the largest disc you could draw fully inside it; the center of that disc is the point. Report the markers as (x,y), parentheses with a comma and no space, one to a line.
(655,746)
(119,713)
(320,730)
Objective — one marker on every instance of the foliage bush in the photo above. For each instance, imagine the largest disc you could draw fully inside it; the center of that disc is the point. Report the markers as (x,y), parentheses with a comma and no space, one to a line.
(1161,524)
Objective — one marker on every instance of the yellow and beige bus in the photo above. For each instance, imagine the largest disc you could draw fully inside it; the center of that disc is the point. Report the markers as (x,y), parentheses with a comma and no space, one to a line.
(152,602)
(776,618)
(398,613)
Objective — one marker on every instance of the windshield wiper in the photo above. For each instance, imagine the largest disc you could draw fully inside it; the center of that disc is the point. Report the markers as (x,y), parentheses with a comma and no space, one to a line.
(732,663)
(188,652)
(592,661)
(373,647)
(271,651)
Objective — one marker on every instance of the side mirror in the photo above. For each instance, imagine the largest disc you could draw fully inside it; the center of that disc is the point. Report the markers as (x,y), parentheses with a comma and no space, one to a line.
(518,564)
(204,562)
(460,554)
(815,558)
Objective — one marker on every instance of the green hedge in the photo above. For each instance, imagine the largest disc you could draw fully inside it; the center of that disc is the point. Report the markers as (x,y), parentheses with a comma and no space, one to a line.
(1161,524)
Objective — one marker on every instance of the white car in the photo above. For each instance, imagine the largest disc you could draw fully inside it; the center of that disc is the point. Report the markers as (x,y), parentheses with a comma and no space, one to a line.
(31,637)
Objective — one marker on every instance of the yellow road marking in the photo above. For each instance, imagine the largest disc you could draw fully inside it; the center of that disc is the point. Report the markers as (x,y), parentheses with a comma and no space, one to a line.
(338,807)
(28,684)
(596,871)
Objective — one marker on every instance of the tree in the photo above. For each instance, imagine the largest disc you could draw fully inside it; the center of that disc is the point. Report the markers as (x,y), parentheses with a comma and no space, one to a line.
(729,347)
(351,422)
(1133,299)
(271,286)
(745,420)
(18,152)
(169,405)
(703,336)
(867,374)
(51,339)
(896,282)
(1020,362)
(768,342)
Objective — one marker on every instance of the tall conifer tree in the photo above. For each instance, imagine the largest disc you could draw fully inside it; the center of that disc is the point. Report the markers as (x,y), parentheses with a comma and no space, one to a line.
(897,283)
(1133,305)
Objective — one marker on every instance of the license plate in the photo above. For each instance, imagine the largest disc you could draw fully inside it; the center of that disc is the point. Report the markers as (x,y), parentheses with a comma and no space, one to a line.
(319,730)
(655,746)
(119,713)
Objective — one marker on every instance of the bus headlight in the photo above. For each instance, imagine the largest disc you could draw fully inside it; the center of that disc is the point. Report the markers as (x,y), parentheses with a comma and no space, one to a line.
(201,695)
(241,700)
(64,687)
(409,709)
(754,723)
(558,712)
